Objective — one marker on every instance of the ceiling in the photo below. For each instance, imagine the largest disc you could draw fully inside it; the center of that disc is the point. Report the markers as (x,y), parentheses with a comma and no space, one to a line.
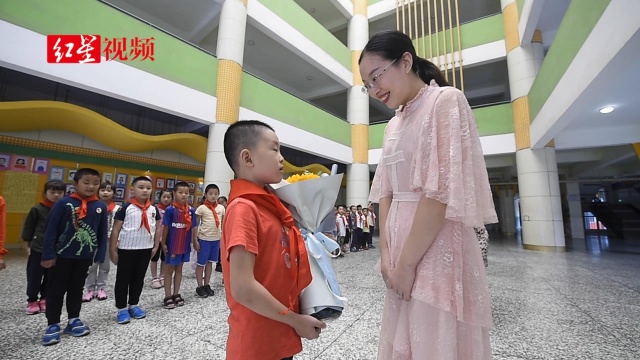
(196,21)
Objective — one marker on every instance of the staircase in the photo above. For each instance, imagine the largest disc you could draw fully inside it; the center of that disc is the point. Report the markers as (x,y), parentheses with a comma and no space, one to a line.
(621,220)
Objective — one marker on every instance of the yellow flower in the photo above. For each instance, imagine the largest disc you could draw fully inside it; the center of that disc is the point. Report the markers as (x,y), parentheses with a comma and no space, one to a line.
(301,177)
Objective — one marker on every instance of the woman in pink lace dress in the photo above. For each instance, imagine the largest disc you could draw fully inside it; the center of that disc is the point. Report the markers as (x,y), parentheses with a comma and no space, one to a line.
(432,186)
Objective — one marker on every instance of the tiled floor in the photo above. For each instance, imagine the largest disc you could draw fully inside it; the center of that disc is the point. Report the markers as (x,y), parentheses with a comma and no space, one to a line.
(583,304)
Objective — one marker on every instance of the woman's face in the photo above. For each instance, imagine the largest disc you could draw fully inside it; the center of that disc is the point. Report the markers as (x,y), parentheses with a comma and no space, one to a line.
(387,79)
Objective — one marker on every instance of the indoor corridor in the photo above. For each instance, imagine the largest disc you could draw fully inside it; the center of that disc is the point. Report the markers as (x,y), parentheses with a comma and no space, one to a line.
(583,304)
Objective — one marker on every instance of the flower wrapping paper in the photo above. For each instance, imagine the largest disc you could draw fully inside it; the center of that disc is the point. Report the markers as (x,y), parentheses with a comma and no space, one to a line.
(310,201)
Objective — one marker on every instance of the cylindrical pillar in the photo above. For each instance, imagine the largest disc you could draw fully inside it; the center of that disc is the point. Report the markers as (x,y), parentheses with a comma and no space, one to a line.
(540,203)
(575,210)
(358,110)
(507,212)
(230,52)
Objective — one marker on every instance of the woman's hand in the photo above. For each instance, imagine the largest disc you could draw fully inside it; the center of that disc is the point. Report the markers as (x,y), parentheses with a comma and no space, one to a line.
(401,280)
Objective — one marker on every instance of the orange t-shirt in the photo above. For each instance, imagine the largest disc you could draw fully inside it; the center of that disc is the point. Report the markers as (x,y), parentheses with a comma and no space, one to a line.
(253,336)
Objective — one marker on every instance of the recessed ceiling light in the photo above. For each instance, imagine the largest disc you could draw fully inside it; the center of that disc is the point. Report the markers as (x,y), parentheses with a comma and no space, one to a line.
(607,109)
(251,42)
(309,78)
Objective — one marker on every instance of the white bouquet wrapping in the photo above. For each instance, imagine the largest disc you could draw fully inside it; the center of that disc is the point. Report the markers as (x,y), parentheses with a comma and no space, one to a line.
(310,201)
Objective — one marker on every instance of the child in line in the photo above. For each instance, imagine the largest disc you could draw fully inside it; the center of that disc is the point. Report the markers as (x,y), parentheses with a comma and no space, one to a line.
(178,232)
(98,272)
(264,260)
(75,237)
(166,198)
(222,200)
(3,232)
(210,216)
(366,235)
(341,226)
(135,238)
(33,236)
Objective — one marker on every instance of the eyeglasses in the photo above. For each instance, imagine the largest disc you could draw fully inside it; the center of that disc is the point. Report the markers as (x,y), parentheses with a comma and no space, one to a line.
(370,86)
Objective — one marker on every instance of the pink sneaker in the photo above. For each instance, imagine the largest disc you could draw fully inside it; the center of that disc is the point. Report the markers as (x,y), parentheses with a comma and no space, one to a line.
(102,295)
(43,305)
(88,296)
(33,308)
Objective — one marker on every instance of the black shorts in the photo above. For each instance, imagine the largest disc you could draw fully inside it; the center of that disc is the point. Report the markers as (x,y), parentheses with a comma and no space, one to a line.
(159,255)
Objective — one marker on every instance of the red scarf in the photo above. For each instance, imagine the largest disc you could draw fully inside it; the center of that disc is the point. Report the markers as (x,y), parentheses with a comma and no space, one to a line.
(212,207)
(300,268)
(187,214)
(83,208)
(111,206)
(143,208)
(162,206)
(47,203)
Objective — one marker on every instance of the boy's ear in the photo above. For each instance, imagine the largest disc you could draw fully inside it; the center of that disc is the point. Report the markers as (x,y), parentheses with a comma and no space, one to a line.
(245,158)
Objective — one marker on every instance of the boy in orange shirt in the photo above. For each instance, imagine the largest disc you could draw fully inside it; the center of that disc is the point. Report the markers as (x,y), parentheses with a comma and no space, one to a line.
(264,260)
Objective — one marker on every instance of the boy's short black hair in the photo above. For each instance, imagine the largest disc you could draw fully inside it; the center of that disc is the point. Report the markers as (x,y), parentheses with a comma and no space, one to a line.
(359,207)
(180,184)
(54,185)
(140,178)
(242,135)
(222,198)
(210,187)
(80,173)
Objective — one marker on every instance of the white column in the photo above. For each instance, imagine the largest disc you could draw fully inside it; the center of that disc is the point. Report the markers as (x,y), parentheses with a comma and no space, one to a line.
(216,169)
(541,209)
(507,212)
(575,210)
(230,53)
(358,110)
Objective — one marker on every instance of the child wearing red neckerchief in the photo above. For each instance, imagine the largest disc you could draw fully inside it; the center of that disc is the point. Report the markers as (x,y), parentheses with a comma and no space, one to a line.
(75,237)
(210,216)
(157,281)
(178,235)
(33,236)
(264,259)
(134,240)
(98,272)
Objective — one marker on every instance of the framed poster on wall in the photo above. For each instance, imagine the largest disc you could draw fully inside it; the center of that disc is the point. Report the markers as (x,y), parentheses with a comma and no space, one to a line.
(5,161)
(20,163)
(41,166)
(56,173)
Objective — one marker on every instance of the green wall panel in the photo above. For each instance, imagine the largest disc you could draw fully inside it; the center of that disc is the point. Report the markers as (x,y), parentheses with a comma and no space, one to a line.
(267,99)
(297,17)
(577,24)
(93,17)
(520,6)
(491,120)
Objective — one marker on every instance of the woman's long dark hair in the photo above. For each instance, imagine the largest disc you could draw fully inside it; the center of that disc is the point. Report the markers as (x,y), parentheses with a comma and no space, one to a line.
(391,45)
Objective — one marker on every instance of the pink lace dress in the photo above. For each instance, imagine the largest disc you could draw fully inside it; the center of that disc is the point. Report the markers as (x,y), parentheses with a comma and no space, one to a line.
(432,148)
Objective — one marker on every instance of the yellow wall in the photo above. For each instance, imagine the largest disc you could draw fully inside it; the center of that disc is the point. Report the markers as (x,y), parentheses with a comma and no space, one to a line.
(15,220)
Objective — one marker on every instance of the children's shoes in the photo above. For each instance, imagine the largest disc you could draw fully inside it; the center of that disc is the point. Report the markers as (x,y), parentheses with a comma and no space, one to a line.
(33,308)
(77,328)
(51,335)
(88,296)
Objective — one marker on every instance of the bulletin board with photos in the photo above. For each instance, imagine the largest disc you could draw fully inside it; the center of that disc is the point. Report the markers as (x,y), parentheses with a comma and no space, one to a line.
(22,180)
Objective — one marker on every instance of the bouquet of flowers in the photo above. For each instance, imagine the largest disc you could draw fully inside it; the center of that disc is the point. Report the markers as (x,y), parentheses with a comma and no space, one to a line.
(310,198)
